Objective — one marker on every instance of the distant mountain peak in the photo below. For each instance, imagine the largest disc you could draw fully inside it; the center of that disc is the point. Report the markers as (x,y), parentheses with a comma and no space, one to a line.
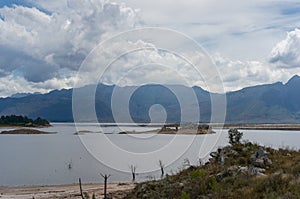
(294,80)
(20,95)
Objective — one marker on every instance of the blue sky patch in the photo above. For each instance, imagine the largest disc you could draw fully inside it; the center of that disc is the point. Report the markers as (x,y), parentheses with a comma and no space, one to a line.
(10,3)
(291,11)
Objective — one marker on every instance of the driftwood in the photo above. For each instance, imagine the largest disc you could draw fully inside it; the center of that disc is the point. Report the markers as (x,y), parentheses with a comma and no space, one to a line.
(80,187)
(161,165)
(133,168)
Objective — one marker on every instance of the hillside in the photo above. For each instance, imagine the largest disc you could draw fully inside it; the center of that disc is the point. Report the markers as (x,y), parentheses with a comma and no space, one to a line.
(271,103)
(240,171)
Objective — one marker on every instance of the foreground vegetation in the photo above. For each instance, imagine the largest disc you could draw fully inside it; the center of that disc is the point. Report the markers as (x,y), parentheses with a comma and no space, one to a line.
(24,121)
(241,170)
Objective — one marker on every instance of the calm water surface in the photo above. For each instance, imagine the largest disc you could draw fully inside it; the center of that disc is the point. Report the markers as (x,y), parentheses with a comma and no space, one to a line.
(63,157)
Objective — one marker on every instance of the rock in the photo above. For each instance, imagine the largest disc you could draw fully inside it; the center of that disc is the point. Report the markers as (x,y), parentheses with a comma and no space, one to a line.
(234,152)
(181,185)
(260,158)
(267,162)
(233,168)
(259,163)
(218,156)
(256,171)
(243,170)
(219,177)
(213,154)
(261,153)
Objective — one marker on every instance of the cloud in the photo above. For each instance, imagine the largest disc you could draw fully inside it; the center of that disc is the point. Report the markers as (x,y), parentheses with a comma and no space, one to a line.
(238,29)
(145,65)
(166,59)
(43,45)
(37,42)
(237,74)
(11,84)
(286,53)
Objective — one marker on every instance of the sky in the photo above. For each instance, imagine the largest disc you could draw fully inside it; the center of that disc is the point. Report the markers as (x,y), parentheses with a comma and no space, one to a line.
(44,43)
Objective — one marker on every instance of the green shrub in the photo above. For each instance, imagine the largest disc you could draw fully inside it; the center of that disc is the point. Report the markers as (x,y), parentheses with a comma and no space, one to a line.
(197,174)
(234,136)
(212,182)
(185,195)
(296,170)
(242,161)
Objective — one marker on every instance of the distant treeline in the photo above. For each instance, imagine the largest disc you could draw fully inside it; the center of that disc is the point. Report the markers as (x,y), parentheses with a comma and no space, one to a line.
(18,120)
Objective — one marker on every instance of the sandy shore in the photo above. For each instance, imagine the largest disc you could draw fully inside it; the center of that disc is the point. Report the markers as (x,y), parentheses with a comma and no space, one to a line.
(23,131)
(116,190)
(22,127)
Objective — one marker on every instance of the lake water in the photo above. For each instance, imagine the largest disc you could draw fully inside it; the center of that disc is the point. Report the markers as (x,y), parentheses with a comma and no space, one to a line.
(64,157)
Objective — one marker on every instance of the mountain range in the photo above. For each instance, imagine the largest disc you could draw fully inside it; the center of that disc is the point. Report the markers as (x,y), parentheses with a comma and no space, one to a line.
(269,103)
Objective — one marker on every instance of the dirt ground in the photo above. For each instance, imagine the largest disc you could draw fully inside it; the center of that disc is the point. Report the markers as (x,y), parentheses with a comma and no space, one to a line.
(115,190)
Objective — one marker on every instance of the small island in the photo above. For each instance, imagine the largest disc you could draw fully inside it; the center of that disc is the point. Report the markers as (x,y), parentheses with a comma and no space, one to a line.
(23,121)
(185,129)
(25,132)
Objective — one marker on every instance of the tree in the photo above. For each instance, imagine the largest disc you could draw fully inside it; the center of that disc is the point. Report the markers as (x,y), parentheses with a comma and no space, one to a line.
(234,136)
(41,122)
(19,120)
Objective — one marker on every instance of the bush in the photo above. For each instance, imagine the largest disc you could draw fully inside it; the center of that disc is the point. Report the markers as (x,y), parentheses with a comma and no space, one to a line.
(234,136)
(197,174)
(243,161)
(185,195)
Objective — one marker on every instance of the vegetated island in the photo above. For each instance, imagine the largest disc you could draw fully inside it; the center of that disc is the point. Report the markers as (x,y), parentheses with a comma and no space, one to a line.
(241,170)
(186,129)
(82,132)
(20,122)
(23,121)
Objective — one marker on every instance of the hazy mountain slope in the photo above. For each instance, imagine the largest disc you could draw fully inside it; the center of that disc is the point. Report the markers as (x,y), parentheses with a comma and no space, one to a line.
(271,103)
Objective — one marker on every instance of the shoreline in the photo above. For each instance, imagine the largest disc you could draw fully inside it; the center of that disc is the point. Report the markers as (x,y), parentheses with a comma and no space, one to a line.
(25,127)
(116,190)
(170,132)
(286,127)
(25,131)
(283,127)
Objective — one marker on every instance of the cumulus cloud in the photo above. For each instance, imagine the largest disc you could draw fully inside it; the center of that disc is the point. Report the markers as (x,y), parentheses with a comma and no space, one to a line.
(43,46)
(130,60)
(237,74)
(37,42)
(237,29)
(140,63)
(11,84)
(286,53)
